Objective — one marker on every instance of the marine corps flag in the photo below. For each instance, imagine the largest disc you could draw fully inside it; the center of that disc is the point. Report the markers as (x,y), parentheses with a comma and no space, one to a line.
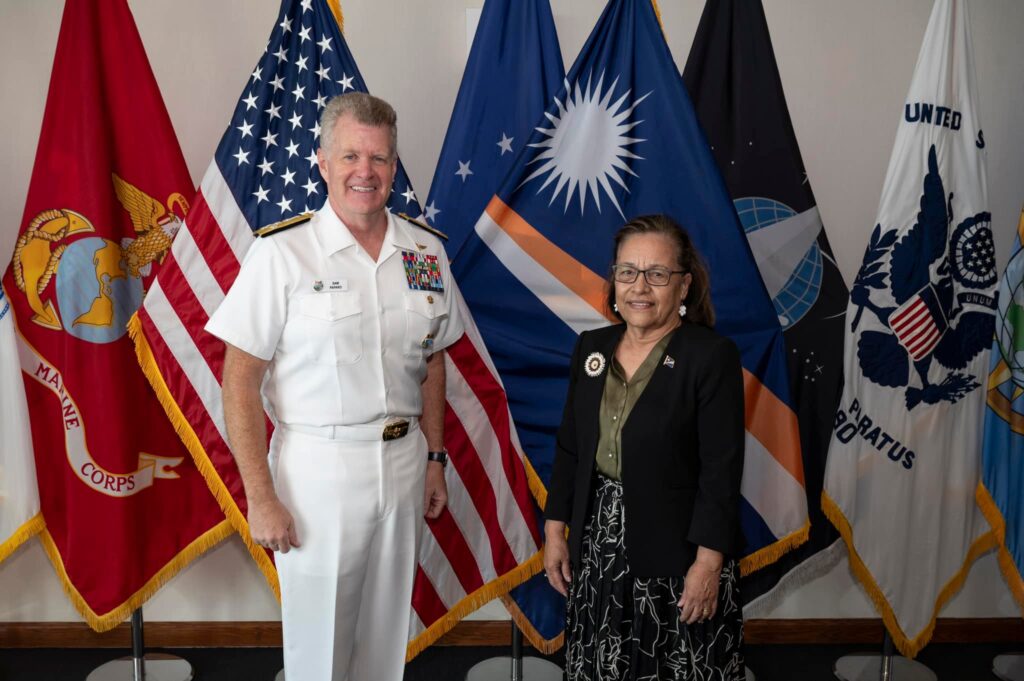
(905,456)
(123,504)
(737,93)
(1001,493)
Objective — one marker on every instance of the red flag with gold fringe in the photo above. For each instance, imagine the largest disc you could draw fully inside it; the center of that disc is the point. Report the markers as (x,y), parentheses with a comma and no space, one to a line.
(123,504)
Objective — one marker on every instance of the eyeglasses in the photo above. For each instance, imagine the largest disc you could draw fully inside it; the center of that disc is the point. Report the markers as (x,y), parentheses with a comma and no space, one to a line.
(655,276)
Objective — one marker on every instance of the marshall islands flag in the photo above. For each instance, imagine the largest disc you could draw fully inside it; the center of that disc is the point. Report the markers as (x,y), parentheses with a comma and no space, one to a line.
(619,140)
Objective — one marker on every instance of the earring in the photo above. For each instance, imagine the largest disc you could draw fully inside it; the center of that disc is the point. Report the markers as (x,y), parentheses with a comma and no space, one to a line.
(615,306)
(682,310)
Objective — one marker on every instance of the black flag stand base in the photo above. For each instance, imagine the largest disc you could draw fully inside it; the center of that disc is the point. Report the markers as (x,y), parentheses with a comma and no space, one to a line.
(1009,667)
(140,666)
(517,667)
(887,667)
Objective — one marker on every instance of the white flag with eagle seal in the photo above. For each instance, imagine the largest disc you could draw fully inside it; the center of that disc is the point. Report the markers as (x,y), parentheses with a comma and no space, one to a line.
(904,458)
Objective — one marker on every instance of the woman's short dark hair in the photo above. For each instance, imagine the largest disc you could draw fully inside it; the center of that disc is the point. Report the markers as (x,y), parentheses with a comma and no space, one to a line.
(698,297)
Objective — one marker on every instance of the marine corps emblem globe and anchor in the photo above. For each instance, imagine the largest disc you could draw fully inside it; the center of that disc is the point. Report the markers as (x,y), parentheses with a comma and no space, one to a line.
(98,281)
(89,287)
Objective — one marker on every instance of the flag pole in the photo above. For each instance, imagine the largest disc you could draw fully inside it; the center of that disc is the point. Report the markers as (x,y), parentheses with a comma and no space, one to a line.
(516,667)
(889,666)
(140,666)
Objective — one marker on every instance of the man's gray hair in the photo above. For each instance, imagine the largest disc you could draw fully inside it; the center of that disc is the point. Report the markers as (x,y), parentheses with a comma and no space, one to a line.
(365,109)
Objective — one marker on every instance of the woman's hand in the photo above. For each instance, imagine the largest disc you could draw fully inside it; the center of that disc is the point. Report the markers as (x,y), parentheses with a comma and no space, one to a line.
(556,556)
(700,587)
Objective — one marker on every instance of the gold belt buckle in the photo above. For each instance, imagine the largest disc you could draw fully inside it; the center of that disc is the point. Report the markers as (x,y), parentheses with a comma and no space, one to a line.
(395,430)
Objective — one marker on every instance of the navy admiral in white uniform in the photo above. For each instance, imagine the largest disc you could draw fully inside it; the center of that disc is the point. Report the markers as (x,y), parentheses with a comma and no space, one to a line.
(340,320)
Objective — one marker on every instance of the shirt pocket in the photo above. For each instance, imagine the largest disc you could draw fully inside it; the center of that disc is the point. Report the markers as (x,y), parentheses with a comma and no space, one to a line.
(332,322)
(423,315)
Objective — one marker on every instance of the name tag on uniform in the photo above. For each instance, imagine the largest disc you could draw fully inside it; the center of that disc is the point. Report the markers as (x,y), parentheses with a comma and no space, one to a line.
(330,285)
(422,271)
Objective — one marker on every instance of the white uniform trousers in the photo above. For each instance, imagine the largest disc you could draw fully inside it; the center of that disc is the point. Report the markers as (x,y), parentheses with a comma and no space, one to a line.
(346,593)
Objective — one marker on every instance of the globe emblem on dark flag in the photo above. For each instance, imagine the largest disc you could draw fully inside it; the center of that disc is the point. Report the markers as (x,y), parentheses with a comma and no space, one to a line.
(800,291)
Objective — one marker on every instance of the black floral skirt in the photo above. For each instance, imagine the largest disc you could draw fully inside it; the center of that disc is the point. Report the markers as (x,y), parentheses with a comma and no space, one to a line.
(622,628)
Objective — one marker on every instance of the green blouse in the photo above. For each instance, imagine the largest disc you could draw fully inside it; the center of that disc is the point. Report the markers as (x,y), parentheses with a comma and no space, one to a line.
(617,402)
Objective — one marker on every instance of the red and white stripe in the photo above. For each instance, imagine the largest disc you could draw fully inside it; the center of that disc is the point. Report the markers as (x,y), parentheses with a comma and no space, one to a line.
(915,328)
(489,527)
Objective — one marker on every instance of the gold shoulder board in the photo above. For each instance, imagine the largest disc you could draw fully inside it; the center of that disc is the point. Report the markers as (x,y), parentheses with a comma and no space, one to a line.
(422,225)
(276,227)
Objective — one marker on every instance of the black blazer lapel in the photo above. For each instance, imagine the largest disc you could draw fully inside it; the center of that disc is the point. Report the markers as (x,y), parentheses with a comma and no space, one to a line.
(589,390)
(658,385)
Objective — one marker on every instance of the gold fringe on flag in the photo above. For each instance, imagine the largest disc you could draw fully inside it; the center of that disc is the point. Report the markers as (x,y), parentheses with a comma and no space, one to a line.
(908,647)
(771,553)
(540,493)
(1006,565)
(28,529)
(544,646)
(202,460)
(488,592)
(109,620)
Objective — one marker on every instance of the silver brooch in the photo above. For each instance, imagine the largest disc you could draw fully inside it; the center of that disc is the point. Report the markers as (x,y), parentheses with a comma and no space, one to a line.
(594,364)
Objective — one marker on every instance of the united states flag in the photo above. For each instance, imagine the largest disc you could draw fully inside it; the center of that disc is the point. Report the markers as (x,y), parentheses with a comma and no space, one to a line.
(265,171)
(919,324)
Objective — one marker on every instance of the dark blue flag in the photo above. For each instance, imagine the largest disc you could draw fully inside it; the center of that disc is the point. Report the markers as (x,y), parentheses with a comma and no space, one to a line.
(513,72)
(733,79)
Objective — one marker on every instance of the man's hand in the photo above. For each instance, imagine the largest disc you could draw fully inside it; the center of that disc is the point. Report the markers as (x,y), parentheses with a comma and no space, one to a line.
(435,494)
(272,526)
(270,523)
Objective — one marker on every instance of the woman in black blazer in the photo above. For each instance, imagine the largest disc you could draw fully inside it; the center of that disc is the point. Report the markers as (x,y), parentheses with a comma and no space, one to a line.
(647,473)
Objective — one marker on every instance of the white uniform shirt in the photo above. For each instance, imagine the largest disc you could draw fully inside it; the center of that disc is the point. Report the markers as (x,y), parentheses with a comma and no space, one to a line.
(347,338)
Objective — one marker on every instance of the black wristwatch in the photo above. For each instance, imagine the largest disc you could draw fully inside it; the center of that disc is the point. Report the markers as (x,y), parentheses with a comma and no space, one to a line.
(441,456)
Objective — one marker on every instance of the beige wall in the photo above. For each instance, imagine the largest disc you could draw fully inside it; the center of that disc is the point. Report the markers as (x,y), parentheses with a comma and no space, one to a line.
(845,65)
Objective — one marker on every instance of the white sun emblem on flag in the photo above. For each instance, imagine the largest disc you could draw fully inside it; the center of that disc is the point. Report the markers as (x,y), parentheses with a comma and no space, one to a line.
(586,145)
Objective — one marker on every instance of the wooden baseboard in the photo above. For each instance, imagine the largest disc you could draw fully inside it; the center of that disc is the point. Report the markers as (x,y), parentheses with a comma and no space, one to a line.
(832,631)
(479,633)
